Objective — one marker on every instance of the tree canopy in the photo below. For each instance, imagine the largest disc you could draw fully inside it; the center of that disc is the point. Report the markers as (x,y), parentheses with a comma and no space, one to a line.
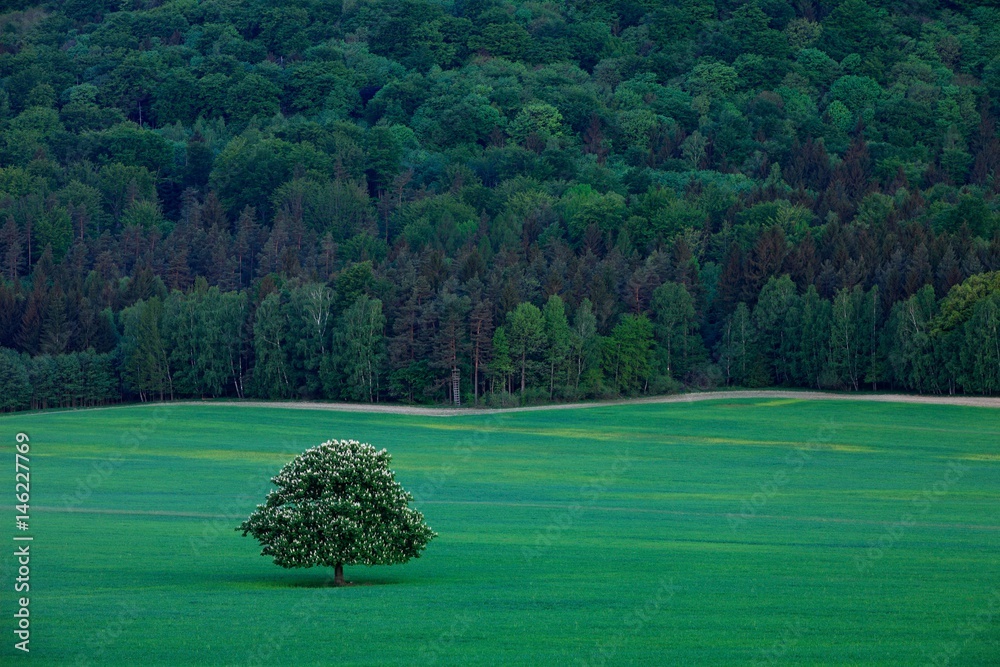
(338,504)
(308,199)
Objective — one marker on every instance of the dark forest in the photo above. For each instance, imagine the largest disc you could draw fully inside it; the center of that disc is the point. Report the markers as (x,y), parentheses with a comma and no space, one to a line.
(526,201)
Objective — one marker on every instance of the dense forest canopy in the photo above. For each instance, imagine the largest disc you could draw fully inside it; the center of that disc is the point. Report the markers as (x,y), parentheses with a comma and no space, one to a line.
(363,199)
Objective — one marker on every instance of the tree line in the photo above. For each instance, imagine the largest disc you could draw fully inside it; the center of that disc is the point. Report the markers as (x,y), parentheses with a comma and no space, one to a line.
(308,341)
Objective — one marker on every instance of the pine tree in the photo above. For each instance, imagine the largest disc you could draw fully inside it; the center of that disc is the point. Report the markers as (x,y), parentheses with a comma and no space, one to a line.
(15,388)
(770,322)
(11,305)
(30,334)
(481,339)
(272,257)
(11,250)
(57,329)
(246,245)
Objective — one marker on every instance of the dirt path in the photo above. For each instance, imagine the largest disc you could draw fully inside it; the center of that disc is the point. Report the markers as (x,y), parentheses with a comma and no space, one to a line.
(969,401)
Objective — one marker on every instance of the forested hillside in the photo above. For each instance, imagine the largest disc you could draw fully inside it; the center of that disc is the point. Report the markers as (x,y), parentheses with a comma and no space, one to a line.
(356,199)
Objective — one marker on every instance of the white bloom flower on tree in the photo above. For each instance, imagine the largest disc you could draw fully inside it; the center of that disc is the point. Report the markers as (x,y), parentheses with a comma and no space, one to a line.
(338,504)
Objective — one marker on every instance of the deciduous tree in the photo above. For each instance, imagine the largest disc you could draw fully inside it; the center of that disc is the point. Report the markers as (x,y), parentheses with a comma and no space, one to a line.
(338,504)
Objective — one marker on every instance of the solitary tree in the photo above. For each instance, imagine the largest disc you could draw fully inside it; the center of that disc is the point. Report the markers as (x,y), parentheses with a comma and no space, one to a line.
(338,504)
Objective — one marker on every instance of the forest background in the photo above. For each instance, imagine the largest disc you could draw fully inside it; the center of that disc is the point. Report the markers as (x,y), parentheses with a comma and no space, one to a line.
(363,200)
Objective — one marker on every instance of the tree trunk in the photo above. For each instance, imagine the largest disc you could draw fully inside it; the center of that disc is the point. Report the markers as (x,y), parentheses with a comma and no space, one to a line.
(523,362)
(338,574)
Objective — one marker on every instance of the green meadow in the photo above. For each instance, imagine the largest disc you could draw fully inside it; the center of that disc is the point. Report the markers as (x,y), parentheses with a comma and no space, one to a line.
(722,532)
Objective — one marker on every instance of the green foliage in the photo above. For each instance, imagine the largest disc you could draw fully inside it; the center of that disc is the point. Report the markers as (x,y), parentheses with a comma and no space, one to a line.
(628,354)
(851,336)
(586,351)
(661,216)
(205,332)
(853,27)
(252,97)
(526,328)
(432,158)
(145,363)
(441,222)
(538,121)
(121,186)
(817,66)
(957,307)
(308,324)
(812,363)
(712,80)
(32,132)
(143,214)
(557,341)
(249,169)
(338,504)
(131,146)
(359,337)
(741,365)
(503,40)
(272,369)
(676,327)
(584,207)
(15,387)
(773,319)
(502,366)
(980,356)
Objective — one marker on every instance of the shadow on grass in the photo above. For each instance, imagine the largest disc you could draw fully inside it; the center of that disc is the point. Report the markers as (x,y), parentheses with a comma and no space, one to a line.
(316,580)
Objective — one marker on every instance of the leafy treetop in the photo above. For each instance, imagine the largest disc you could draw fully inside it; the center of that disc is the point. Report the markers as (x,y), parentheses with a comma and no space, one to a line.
(338,504)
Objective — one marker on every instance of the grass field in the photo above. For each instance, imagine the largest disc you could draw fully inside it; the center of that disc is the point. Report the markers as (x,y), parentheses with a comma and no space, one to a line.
(714,533)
